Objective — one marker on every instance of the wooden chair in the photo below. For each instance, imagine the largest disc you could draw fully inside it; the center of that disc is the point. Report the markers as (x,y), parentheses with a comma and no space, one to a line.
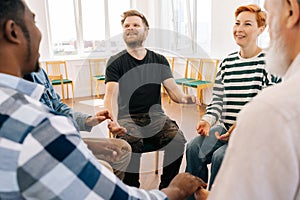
(97,73)
(58,75)
(205,77)
(190,74)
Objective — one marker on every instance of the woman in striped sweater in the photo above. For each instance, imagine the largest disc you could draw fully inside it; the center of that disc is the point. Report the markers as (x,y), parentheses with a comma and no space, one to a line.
(240,77)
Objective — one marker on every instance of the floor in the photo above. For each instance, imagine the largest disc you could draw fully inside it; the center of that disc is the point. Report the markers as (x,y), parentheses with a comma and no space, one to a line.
(186,117)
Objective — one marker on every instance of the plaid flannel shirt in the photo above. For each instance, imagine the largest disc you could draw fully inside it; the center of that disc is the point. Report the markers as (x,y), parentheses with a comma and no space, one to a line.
(42,155)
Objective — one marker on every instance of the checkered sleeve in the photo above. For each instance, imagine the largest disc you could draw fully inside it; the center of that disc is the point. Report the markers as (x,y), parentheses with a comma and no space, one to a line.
(56,164)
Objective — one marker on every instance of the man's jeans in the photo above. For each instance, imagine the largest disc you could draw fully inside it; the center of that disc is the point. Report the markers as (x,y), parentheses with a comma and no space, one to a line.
(204,150)
(161,133)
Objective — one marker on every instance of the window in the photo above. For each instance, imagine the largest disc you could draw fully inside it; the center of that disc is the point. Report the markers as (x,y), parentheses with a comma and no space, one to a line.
(184,27)
(203,32)
(83,27)
(116,9)
(93,24)
(80,27)
(62,26)
(190,21)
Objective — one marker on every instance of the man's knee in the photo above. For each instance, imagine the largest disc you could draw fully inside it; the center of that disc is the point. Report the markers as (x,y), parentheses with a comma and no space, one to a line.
(124,145)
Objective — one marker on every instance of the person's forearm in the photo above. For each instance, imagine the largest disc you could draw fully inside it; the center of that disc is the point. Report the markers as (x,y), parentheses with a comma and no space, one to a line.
(177,98)
(176,94)
(80,119)
(112,107)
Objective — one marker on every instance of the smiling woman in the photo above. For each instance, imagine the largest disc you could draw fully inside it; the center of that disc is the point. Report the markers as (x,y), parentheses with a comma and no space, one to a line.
(241,76)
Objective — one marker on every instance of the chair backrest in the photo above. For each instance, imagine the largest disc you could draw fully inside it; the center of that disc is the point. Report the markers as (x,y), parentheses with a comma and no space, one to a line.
(52,78)
(97,66)
(171,63)
(208,69)
(192,68)
(57,68)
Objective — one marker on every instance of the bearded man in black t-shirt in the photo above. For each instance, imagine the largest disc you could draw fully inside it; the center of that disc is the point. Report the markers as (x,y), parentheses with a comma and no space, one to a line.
(133,96)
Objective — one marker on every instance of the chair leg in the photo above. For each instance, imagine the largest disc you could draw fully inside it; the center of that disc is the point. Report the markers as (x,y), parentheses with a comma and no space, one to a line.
(183,88)
(156,161)
(63,92)
(97,90)
(91,87)
(73,97)
(199,96)
(67,91)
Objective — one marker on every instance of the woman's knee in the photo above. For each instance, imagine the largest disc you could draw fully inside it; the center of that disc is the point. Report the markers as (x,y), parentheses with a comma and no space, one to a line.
(195,144)
(218,156)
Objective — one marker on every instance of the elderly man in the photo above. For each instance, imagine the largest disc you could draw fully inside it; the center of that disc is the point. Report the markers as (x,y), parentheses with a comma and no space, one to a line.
(41,153)
(263,155)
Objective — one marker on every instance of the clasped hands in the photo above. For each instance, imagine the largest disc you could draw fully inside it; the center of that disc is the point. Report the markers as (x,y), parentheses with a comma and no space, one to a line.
(103,115)
(106,148)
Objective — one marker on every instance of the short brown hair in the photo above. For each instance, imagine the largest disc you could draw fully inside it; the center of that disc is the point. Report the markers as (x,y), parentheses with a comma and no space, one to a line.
(261,16)
(130,13)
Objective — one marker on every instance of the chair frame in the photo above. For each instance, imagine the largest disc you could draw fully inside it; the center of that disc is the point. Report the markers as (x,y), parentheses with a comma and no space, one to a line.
(95,66)
(210,76)
(57,74)
(191,71)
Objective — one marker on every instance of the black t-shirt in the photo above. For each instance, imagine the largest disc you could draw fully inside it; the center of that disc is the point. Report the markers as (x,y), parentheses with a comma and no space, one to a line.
(139,81)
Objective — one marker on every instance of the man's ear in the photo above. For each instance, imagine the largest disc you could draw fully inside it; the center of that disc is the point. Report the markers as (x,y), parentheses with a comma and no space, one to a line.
(12,31)
(294,14)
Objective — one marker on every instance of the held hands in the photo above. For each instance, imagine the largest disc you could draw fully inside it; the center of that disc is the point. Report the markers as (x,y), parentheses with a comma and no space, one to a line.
(203,128)
(226,136)
(184,185)
(98,118)
(116,129)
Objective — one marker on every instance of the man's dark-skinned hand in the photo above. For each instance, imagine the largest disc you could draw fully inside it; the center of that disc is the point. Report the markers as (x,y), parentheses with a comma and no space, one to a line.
(182,186)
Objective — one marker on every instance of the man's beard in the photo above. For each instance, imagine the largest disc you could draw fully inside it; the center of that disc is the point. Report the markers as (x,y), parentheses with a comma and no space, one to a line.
(277,59)
(134,44)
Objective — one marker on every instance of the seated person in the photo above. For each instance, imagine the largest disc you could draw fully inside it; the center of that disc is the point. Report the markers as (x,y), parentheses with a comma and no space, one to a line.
(42,155)
(240,77)
(133,96)
(115,151)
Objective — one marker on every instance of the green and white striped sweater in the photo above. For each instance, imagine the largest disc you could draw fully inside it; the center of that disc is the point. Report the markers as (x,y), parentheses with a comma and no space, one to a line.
(238,80)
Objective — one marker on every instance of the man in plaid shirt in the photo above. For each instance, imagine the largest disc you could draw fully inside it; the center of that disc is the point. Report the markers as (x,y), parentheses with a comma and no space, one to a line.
(41,153)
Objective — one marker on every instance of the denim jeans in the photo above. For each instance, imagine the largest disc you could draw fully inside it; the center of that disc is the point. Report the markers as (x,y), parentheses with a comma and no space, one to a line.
(203,150)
